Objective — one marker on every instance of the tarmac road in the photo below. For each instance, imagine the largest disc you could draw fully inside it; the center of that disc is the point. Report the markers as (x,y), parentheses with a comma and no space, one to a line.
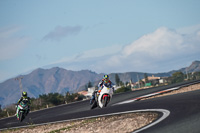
(184,111)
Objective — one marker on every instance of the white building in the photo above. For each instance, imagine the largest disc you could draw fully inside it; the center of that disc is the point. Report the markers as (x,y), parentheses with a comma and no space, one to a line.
(90,91)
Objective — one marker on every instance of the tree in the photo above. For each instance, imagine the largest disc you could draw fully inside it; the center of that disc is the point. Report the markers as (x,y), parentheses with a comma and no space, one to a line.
(80,97)
(121,83)
(146,78)
(117,79)
(37,103)
(127,83)
(177,77)
(196,75)
(3,114)
(89,84)
(141,83)
(52,98)
(70,97)
(86,87)
(123,89)
(67,94)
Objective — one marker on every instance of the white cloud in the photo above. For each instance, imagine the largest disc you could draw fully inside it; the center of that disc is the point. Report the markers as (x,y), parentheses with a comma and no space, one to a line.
(156,45)
(153,51)
(10,44)
(160,51)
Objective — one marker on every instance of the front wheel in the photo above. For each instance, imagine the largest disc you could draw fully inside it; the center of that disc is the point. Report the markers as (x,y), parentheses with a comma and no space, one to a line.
(21,117)
(105,101)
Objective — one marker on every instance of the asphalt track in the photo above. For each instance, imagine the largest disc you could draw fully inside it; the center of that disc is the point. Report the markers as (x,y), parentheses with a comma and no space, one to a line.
(184,111)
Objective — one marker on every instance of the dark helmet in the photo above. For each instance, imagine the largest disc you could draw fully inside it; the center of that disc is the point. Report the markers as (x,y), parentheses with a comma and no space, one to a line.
(24,94)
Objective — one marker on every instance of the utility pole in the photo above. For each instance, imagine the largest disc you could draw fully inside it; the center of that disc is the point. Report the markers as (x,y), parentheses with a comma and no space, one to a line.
(138,80)
(187,73)
(20,82)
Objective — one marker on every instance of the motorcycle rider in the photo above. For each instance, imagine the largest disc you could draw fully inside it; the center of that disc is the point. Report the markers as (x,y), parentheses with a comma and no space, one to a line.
(105,81)
(24,97)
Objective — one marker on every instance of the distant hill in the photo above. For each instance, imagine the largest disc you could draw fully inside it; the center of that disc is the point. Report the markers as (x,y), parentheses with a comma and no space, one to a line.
(44,81)
(194,67)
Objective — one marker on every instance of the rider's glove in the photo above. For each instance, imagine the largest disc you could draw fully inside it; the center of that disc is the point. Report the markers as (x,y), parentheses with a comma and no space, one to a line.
(98,92)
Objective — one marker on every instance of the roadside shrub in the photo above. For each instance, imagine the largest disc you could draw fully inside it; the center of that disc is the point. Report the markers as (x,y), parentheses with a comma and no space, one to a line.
(123,89)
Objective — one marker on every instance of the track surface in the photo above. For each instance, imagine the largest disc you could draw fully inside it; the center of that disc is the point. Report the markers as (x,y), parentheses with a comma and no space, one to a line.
(184,111)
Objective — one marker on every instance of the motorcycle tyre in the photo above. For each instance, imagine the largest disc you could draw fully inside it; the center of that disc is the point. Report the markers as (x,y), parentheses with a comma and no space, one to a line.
(21,117)
(105,101)
(93,105)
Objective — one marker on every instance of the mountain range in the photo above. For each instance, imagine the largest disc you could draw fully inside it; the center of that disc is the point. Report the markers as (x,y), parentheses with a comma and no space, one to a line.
(44,81)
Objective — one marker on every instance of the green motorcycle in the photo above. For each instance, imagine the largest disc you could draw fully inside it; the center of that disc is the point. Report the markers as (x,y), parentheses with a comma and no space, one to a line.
(22,110)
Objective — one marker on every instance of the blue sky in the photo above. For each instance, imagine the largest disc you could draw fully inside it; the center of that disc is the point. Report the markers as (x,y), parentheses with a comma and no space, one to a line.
(102,36)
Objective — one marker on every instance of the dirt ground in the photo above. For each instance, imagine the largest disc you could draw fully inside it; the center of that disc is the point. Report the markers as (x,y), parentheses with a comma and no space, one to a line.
(118,123)
(110,124)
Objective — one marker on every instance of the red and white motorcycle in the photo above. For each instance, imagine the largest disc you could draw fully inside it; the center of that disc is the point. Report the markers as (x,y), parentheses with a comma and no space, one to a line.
(104,97)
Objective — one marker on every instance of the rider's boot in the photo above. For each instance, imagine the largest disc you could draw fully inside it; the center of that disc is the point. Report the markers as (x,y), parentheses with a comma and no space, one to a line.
(91,100)
(27,112)
(16,110)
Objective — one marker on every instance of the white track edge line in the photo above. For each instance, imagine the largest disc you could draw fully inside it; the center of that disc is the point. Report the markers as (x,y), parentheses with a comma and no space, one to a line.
(134,111)
(145,96)
(165,112)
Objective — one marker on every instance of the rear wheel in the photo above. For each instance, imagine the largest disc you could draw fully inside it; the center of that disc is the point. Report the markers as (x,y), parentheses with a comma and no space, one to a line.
(93,105)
